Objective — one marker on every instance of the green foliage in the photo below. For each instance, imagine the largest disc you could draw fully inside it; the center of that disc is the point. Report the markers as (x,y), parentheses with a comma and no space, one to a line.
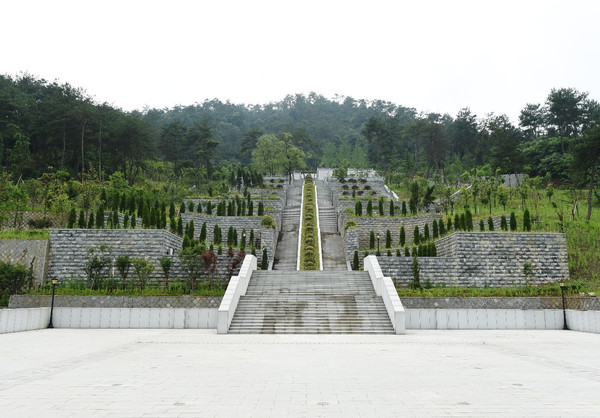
(123,264)
(435,229)
(97,266)
(481,225)
(358,208)
(261,208)
(404,211)
(268,222)
(402,240)
(526,221)
(166,263)
(513,221)
(355,261)
(416,235)
(349,225)
(391,207)
(503,224)
(415,283)
(142,268)
(426,231)
(369,208)
(372,240)
(490,224)
(380,207)
(265,260)
(388,239)
(13,279)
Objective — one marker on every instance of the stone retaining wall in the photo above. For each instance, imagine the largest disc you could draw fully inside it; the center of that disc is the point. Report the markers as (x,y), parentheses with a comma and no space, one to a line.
(37,301)
(487,258)
(69,252)
(31,253)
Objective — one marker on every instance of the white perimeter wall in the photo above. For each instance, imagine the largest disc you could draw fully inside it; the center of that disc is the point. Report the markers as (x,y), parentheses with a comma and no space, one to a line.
(15,320)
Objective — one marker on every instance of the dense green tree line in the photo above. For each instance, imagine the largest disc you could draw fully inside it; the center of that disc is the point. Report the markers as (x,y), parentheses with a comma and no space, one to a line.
(46,124)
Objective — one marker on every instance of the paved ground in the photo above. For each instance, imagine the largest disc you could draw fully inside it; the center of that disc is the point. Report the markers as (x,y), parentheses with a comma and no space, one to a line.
(197,373)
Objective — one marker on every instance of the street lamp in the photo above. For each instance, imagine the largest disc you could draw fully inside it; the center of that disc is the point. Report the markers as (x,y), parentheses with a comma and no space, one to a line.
(377,242)
(562,294)
(54,283)
(243,241)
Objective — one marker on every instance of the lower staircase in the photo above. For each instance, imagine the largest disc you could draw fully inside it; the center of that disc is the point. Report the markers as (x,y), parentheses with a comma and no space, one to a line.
(310,302)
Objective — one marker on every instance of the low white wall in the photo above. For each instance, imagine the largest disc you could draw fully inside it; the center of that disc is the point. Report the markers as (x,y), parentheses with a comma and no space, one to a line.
(237,287)
(585,321)
(16,320)
(385,288)
(484,319)
(135,318)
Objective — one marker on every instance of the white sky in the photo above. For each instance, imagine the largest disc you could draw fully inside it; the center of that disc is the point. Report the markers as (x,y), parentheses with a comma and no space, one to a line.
(432,55)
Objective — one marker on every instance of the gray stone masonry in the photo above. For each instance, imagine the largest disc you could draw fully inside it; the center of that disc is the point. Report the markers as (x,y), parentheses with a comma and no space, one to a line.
(69,252)
(524,303)
(487,258)
(64,301)
(31,253)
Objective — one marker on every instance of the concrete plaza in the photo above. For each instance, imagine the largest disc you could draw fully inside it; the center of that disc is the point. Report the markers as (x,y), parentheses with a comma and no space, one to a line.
(197,373)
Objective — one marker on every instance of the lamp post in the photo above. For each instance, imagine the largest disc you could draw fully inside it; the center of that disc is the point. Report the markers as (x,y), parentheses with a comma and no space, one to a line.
(378,242)
(562,294)
(243,241)
(54,283)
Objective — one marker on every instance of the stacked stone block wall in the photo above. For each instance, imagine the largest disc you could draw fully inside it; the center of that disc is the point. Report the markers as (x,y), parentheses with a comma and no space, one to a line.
(487,259)
(31,253)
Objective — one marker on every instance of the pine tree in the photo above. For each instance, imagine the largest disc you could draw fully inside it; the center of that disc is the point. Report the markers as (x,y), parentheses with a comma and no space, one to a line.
(182,207)
(131,204)
(180,226)
(456,222)
(230,236)
(369,208)
(526,221)
(123,202)
(251,238)
(72,218)
(402,236)
(372,240)
(100,216)
(404,212)
(481,225)
(415,284)
(513,222)
(91,222)
(388,239)
(251,208)
(115,220)
(503,223)
(406,251)
(449,228)
(203,232)
(172,209)
(442,230)
(199,207)
(190,206)
(355,261)
(416,235)
(216,234)
(426,232)
(81,223)
(380,208)
(126,221)
(191,230)
(490,224)
(468,220)
(265,260)
(463,222)
(391,207)
(133,221)
(209,208)
(435,229)
(261,209)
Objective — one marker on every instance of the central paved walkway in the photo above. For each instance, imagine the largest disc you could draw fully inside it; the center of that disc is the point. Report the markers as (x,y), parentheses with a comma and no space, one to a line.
(197,373)
(286,254)
(333,251)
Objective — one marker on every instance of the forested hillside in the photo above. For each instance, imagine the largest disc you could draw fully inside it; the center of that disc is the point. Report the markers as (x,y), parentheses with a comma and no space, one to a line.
(46,124)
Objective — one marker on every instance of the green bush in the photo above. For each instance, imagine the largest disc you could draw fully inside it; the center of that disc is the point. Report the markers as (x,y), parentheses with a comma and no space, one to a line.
(268,222)
(13,279)
(350,225)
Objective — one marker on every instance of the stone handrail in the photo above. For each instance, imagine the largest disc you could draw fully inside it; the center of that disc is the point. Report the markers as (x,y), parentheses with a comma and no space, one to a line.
(237,287)
(385,288)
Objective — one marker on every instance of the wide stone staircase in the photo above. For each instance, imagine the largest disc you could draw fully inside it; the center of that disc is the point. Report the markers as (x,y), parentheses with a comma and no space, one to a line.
(311,302)
(286,254)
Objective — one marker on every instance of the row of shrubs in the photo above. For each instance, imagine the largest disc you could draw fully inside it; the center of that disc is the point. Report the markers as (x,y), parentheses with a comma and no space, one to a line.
(310,242)
(234,207)
(422,250)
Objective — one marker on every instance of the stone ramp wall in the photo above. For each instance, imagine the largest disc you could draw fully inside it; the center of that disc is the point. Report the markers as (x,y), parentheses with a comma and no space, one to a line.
(31,253)
(487,258)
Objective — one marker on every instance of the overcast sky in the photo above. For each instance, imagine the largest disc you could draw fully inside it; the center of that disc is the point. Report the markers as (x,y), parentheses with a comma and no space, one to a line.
(492,56)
